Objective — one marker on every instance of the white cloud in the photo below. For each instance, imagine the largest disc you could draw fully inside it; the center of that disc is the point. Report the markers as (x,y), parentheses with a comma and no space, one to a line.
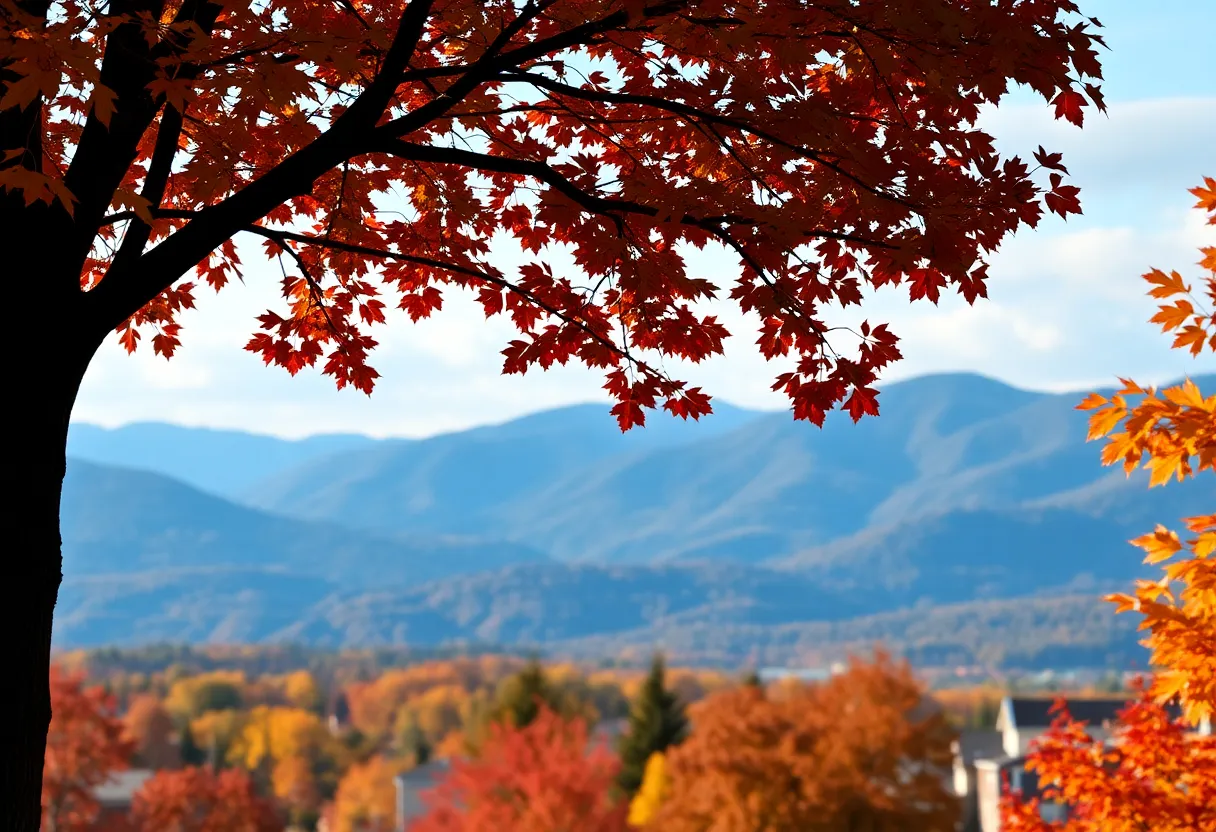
(1133,164)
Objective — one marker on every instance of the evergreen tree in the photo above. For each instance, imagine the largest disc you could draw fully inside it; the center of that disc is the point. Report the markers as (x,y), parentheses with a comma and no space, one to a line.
(520,697)
(412,741)
(191,754)
(987,713)
(656,722)
(751,679)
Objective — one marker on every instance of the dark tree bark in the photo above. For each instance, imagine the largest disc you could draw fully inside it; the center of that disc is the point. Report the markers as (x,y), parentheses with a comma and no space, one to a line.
(42,386)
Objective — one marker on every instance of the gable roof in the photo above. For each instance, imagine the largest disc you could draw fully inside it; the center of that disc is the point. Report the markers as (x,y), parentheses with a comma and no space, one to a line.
(117,792)
(1035,712)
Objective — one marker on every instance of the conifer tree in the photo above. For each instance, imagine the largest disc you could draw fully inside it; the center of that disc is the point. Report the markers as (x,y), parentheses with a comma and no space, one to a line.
(188,749)
(412,741)
(656,722)
(521,696)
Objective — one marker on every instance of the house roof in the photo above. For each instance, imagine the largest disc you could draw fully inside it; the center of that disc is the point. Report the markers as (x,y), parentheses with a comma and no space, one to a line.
(116,793)
(1031,712)
(424,776)
(1037,712)
(973,745)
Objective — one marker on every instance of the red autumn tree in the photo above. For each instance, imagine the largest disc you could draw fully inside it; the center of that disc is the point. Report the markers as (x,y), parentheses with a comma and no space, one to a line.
(543,777)
(199,800)
(85,747)
(376,147)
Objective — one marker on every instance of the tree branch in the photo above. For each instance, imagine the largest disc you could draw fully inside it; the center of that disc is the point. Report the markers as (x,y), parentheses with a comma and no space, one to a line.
(21,129)
(502,164)
(314,289)
(123,293)
(602,206)
(155,182)
(490,64)
(105,153)
(282,237)
(660,103)
(371,103)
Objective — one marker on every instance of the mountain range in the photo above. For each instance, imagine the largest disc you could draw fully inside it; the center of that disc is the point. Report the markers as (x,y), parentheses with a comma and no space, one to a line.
(970,522)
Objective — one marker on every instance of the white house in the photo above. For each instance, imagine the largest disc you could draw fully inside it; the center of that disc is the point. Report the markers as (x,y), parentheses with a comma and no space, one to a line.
(410,786)
(989,762)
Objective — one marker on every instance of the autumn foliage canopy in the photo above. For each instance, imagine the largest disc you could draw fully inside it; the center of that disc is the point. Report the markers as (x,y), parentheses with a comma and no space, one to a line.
(85,747)
(387,152)
(1156,775)
(1172,432)
(200,800)
(544,777)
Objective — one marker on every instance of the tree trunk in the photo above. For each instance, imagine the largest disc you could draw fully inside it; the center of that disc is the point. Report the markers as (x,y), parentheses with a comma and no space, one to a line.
(42,388)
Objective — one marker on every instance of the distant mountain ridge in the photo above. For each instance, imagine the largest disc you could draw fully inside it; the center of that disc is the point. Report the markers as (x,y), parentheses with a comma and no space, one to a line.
(761,491)
(222,462)
(556,529)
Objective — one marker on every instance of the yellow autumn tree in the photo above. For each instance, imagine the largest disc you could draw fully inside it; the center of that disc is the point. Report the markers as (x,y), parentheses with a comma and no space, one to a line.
(366,800)
(302,691)
(215,731)
(655,787)
(271,734)
(193,696)
(287,744)
(1172,433)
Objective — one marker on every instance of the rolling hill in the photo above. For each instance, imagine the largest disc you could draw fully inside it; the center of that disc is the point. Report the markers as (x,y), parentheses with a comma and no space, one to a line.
(119,521)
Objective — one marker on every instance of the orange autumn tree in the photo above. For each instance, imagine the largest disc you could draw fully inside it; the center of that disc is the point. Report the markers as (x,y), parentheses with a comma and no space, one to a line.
(866,750)
(1158,775)
(544,777)
(151,730)
(372,150)
(85,747)
(200,800)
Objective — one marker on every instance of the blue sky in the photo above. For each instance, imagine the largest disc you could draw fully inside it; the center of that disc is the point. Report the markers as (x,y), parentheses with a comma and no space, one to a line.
(1067,308)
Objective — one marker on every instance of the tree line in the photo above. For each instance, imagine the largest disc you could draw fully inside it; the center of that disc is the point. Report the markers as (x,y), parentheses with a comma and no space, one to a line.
(525,742)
